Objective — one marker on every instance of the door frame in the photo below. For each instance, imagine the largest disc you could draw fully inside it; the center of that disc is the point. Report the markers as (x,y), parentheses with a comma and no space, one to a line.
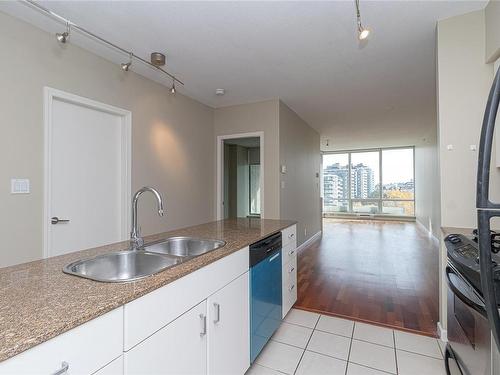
(51,94)
(220,170)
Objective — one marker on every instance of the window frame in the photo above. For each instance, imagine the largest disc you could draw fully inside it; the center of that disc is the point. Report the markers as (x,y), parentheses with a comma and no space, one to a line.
(381,198)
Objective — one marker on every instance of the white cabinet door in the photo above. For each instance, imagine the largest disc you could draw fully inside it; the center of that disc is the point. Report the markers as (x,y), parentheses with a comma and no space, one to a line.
(113,368)
(179,348)
(229,329)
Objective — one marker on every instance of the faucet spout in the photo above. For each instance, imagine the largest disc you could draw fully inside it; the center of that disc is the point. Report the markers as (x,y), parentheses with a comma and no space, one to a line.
(136,240)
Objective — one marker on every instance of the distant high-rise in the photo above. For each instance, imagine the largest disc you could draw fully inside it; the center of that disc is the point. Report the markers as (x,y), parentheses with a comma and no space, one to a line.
(362,181)
(335,183)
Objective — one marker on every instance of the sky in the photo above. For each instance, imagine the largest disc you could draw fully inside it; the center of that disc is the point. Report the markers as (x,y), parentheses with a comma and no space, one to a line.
(397,164)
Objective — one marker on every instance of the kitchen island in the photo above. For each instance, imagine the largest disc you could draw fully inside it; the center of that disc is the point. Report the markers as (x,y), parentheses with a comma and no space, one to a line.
(39,302)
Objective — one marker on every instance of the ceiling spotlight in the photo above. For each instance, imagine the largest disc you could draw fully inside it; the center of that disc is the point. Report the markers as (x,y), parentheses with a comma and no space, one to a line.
(126,66)
(363,32)
(172,89)
(63,37)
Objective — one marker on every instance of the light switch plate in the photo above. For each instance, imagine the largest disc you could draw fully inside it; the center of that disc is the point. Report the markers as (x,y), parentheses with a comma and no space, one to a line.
(19,186)
(283,169)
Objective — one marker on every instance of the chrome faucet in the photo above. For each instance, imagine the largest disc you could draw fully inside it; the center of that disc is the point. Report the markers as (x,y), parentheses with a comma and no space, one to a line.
(136,241)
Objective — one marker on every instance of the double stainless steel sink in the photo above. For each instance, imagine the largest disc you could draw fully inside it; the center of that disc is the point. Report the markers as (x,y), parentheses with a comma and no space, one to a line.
(131,265)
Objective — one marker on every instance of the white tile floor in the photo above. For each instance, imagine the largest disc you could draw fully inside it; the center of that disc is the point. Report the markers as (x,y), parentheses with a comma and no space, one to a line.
(314,344)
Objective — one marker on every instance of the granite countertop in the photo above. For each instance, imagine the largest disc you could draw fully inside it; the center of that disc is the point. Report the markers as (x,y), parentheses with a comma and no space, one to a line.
(38,301)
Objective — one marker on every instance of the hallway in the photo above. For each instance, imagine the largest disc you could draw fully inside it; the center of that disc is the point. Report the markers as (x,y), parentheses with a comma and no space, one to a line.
(381,272)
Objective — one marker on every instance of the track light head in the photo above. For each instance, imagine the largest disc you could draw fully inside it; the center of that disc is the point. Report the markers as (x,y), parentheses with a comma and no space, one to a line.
(363,32)
(63,37)
(126,66)
(172,89)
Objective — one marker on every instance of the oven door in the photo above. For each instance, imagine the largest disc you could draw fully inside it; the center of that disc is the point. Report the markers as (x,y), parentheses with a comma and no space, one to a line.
(469,342)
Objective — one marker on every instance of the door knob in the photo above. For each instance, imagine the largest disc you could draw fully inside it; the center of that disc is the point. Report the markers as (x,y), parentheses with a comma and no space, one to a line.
(56,220)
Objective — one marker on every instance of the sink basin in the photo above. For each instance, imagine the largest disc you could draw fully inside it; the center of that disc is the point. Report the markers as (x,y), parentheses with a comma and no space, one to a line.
(184,246)
(121,266)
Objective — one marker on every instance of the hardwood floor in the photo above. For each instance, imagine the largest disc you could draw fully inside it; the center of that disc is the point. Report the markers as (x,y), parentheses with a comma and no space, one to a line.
(380,272)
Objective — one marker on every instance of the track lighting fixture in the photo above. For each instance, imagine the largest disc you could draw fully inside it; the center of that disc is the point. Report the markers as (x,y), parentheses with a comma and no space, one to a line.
(157,59)
(363,32)
(63,37)
(126,66)
(172,89)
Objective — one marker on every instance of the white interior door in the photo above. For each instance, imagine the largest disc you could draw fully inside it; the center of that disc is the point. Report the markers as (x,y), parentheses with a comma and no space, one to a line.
(87,173)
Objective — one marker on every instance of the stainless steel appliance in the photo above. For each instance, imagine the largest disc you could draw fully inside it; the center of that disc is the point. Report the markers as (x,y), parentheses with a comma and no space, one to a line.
(473,272)
(486,210)
(468,351)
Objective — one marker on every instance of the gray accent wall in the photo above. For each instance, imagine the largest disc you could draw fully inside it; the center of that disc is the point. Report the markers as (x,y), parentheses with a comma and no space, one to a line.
(300,189)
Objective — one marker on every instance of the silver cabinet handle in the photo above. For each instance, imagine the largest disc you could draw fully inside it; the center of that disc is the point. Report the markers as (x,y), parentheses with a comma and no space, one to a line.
(56,220)
(203,320)
(291,252)
(217,312)
(291,288)
(291,270)
(291,235)
(64,368)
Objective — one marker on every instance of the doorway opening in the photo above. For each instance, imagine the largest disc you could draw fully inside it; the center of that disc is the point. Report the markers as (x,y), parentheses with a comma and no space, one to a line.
(240,183)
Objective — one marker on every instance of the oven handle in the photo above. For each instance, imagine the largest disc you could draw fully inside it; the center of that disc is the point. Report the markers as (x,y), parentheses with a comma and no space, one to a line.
(480,309)
(448,354)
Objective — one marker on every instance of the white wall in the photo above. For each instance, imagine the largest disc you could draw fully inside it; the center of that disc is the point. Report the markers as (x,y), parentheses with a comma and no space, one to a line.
(427,194)
(171,147)
(464,81)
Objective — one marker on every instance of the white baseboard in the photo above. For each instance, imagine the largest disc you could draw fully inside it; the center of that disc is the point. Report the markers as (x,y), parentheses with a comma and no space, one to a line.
(429,233)
(442,333)
(309,241)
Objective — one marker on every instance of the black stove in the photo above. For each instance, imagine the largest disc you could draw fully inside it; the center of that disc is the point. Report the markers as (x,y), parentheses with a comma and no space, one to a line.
(463,254)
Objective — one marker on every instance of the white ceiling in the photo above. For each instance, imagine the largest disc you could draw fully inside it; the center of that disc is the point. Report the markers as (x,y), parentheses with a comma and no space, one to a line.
(306,53)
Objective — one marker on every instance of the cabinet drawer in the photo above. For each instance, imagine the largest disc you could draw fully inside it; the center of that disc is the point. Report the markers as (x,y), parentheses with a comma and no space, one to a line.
(85,349)
(290,268)
(146,315)
(289,253)
(289,291)
(289,235)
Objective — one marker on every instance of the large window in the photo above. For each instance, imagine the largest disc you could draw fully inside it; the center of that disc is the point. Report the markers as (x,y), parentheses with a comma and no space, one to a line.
(377,181)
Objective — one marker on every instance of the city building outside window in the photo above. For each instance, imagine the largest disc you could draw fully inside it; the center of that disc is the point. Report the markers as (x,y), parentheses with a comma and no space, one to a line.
(379,181)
